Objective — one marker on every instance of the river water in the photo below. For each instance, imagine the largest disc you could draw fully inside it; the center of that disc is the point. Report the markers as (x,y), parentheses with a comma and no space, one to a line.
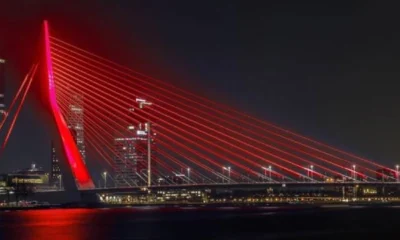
(327,222)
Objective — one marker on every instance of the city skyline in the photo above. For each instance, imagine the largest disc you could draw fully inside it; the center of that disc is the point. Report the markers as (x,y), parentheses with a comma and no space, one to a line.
(226,119)
(336,137)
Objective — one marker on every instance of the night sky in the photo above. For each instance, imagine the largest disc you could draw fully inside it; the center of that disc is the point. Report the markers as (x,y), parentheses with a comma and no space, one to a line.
(326,70)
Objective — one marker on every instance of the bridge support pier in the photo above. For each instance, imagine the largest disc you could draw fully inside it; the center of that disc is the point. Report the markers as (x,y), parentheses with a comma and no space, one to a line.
(89,198)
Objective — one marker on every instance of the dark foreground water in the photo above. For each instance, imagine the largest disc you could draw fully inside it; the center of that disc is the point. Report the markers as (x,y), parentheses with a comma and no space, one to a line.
(326,222)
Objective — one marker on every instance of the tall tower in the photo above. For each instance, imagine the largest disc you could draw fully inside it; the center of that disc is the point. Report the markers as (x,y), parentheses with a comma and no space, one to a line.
(126,158)
(132,151)
(74,120)
(55,171)
(75,173)
(2,88)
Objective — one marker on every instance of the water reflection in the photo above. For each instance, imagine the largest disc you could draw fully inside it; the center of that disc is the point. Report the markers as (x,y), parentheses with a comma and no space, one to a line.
(48,224)
(195,223)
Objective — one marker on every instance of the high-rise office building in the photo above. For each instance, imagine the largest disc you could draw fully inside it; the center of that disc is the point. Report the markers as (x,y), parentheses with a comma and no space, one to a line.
(2,88)
(55,171)
(75,118)
(132,155)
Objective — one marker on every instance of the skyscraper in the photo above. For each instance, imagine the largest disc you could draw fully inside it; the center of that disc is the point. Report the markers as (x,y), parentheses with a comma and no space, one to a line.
(2,88)
(74,120)
(132,155)
(55,171)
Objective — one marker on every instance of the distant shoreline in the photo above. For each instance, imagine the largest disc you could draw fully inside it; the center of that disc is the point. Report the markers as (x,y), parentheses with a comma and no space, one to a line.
(202,206)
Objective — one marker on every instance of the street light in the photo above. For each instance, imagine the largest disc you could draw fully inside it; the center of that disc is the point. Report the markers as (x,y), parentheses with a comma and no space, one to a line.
(60,177)
(229,173)
(265,173)
(105,179)
(270,170)
(223,174)
(142,103)
(312,173)
(397,172)
(354,172)
(188,171)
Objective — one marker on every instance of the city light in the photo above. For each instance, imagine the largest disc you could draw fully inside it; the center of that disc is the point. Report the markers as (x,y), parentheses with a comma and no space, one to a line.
(193,132)
(229,173)
(105,179)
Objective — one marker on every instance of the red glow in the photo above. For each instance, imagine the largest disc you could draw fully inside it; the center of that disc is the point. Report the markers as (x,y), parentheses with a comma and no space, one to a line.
(193,109)
(220,140)
(113,130)
(160,120)
(71,151)
(230,113)
(182,119)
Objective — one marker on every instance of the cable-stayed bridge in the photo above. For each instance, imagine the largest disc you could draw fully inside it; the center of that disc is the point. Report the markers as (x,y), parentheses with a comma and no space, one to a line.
(150,133)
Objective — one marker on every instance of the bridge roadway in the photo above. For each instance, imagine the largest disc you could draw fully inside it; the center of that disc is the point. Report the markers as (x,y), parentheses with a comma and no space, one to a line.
(289,185)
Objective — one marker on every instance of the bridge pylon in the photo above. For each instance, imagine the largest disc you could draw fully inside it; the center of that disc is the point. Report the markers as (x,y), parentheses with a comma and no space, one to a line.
(75,173)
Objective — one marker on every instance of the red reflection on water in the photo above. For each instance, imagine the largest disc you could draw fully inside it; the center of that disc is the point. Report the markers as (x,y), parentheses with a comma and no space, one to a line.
(60,224)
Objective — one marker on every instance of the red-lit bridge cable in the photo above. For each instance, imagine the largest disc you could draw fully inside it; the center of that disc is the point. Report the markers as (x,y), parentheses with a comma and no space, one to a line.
(181,165)
(187,156)
(303,152)
(342,167)
(231,145)
(88,131)
(296,156)
(353,156)
(189,93)
(104,99)
(312,163)
(27,76)
(260,158)
(103,116)
(19,107)
(208,134)
(93,123)
(91,131)
(292,154)
(104,142)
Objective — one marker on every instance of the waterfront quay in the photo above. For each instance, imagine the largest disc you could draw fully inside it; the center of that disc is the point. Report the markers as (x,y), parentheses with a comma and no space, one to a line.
(256,194)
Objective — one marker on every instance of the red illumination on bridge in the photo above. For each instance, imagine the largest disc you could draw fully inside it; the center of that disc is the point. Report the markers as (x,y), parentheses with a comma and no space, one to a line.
(192,132)
(70,149)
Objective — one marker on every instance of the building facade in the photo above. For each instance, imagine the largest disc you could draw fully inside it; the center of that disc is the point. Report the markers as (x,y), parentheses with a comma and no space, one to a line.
(131,151)
(55,170)
(33,175)
(130,157)
(75,118)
